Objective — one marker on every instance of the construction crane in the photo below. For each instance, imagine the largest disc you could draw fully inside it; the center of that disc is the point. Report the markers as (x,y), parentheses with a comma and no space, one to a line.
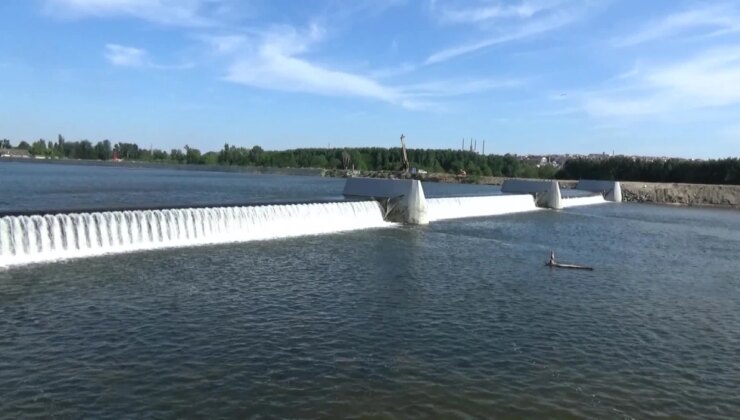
(404,158)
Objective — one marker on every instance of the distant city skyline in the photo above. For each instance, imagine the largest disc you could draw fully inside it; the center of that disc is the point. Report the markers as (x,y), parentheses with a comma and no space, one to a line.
(659,78)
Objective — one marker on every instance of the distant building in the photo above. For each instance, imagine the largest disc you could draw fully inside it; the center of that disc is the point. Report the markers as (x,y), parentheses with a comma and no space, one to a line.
(14,153)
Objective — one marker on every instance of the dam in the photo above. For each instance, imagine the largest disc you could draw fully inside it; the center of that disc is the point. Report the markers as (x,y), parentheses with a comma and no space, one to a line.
(33,237)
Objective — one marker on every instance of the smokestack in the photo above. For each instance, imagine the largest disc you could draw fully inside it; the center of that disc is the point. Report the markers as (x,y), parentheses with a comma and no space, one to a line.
(483,150)
(463,146)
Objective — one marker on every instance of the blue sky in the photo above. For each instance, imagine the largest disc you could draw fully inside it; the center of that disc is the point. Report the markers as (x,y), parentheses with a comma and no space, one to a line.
(655,77)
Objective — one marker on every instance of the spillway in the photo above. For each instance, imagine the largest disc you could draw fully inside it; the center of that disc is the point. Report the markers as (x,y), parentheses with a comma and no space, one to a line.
(39,238)
(582,201)
(463,207)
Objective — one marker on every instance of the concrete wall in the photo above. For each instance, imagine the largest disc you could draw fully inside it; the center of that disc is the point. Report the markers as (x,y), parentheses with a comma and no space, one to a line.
(547,193)
(612,190)
(403,199)
(377,187)
(525,186)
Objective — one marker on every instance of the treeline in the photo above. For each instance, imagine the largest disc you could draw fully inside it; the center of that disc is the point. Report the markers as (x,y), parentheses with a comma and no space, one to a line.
(363,159)
(382,159)
(724,171)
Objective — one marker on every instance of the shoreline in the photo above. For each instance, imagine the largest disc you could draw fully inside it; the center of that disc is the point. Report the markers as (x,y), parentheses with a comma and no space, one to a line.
(677,194)
(684,195)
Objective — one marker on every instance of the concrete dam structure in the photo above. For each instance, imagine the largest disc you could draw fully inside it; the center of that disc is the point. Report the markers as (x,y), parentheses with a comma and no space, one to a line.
(403,200)
(611,190)
(27,238)
(546,193)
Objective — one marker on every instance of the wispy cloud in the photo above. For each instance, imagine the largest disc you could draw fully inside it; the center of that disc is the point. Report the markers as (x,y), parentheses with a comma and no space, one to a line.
(449,88)
(124,56)
(475,13)
(189,13)
(709,80)
(281,57)
(509,23)
(278,61)
(120,55)
(710,19)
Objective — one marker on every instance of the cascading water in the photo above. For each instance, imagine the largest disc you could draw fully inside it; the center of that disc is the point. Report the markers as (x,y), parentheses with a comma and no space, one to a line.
(582,201)
(461,207)
(30,239)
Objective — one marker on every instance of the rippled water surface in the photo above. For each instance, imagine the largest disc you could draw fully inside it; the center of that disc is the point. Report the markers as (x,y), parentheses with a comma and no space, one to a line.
(456,319)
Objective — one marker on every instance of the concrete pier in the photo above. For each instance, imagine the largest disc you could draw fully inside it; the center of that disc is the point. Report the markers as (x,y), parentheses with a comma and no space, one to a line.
(403,199)
(612,190)
(546,193)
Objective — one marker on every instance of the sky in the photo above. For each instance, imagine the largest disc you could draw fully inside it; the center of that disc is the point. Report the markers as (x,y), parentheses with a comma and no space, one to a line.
(659,78)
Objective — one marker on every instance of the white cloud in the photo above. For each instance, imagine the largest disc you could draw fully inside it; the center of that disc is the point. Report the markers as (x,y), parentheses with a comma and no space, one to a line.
(275,63)
(711,19)
(709,80)
(225,44)
(277,60)
(530,20)
(191,13)
(120,55)
(273,70)
(124,56)
(280,58)
(448,88)
(475,13)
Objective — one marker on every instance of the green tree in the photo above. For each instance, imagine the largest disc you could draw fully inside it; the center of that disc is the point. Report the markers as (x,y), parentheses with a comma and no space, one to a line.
(103,150)
(192,156)
(38,148)
(176,155)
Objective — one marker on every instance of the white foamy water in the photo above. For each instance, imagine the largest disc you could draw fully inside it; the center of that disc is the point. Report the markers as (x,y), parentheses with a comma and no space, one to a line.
(31,239)
(461,207)
(582,201)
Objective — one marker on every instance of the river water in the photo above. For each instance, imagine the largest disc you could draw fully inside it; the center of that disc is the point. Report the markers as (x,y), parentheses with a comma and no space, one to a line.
(455,319)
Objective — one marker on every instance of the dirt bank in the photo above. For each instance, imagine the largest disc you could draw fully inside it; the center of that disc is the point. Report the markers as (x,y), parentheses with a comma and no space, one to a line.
(635,192)
(682,194)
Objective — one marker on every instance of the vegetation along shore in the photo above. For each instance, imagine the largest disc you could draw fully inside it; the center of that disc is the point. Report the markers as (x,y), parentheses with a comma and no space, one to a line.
(665,181)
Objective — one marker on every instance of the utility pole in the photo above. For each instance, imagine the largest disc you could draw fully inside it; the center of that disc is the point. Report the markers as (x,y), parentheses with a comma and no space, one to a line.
(405,164)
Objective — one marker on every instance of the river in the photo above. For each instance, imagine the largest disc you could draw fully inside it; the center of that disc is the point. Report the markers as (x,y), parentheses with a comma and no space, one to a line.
(457,319)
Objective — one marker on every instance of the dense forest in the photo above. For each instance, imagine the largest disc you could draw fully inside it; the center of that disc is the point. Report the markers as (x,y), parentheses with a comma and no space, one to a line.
(725,171)
(363,159)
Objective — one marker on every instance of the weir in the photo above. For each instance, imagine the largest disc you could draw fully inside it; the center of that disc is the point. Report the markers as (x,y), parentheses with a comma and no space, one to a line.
(492,205)
(56,235)
(611,190)
(546,193)
(403,200)
(39,238)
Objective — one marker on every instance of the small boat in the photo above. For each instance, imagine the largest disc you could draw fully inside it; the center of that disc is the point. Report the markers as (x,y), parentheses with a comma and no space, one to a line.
(571,266)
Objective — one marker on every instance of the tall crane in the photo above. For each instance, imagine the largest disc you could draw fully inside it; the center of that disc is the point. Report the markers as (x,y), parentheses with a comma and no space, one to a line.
(405,160)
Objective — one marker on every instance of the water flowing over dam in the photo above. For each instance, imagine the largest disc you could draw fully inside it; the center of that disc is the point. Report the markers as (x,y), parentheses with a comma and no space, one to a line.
(494,205)
(39,238)
(31,238)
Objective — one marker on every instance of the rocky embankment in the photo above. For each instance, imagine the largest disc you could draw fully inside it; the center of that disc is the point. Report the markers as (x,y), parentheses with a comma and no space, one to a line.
(636,192)
(682,194)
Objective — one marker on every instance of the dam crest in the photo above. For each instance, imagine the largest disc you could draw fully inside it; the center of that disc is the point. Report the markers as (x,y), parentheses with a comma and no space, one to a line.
(27,238)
